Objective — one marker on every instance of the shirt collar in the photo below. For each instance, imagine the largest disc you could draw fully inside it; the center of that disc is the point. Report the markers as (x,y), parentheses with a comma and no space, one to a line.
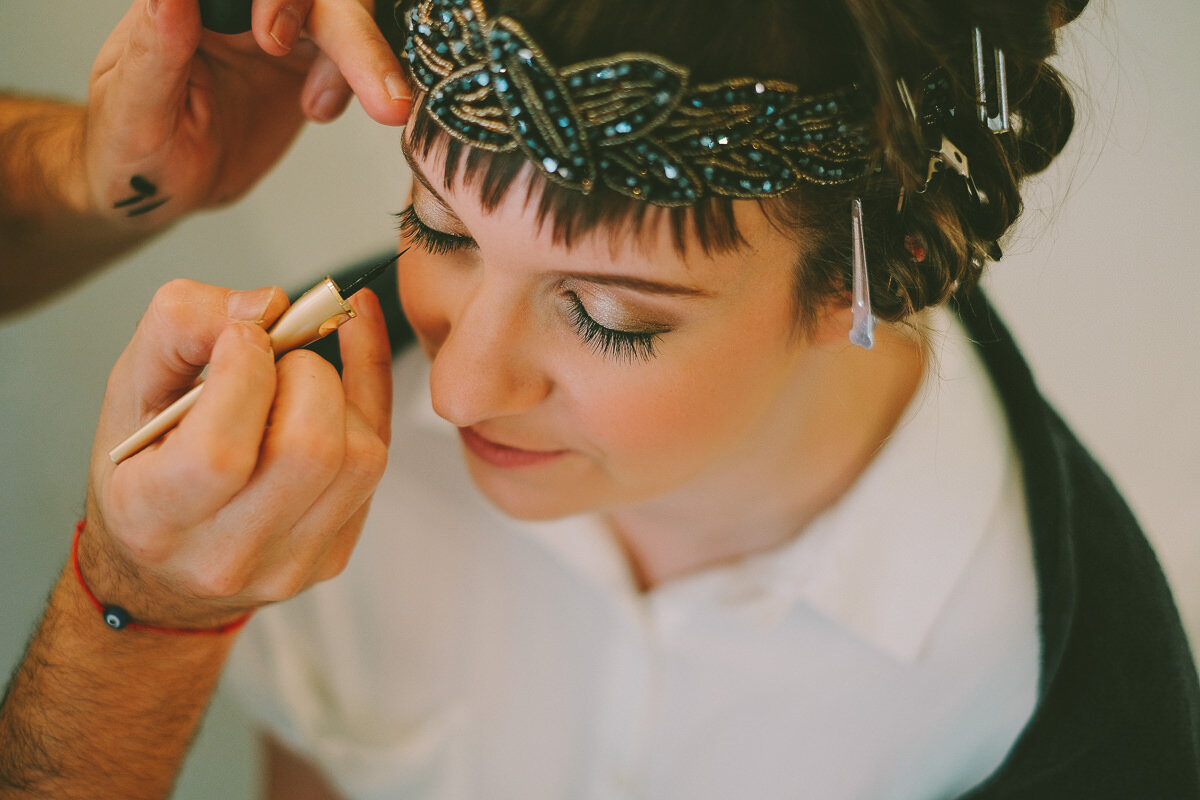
(885,559)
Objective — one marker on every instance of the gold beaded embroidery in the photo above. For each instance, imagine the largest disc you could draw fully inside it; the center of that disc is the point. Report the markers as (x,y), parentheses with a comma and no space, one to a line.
(631,121)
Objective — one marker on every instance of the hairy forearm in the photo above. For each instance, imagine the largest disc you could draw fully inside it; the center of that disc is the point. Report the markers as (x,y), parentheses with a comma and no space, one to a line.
(96,713)
(49,234)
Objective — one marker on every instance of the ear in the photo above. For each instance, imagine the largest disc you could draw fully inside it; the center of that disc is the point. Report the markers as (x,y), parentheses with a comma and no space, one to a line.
(833,321)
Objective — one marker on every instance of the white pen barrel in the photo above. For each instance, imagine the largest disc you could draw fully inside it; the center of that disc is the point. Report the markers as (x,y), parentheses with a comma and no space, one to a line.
(316,313)
(166,419)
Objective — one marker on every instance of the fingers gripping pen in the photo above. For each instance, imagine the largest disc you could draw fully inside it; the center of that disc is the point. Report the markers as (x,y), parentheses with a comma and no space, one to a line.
(317,313)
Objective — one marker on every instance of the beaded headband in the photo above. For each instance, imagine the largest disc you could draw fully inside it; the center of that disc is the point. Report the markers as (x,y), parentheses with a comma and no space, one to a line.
(631,121)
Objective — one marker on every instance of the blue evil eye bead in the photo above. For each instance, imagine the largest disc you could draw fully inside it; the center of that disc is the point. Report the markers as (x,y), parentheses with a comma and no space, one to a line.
(116,617)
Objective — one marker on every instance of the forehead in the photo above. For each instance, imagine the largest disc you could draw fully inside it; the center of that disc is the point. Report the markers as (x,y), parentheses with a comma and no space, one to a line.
(649,236)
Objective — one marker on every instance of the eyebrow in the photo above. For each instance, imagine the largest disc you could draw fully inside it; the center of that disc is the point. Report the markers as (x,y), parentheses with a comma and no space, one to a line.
(622,281)
(639,284)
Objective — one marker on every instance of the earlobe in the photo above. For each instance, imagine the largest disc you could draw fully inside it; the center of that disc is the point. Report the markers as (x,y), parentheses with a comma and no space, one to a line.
(832,323)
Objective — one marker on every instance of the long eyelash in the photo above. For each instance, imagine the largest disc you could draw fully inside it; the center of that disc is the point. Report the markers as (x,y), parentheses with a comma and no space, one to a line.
(429,239)
(621,345)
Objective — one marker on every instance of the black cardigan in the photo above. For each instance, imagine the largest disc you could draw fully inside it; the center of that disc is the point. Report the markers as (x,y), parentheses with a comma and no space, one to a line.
(1118,712)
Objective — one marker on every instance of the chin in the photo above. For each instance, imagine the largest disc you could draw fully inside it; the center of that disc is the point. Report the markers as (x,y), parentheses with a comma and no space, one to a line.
(527,502)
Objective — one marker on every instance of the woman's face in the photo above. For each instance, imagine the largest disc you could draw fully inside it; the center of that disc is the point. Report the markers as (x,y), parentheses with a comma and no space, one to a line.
(602,375)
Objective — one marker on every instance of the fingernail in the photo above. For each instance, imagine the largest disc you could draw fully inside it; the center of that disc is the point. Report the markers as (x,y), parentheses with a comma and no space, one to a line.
(249,306)
(152,7)
(397,89)
(327,105)
(252,334)
(285,30)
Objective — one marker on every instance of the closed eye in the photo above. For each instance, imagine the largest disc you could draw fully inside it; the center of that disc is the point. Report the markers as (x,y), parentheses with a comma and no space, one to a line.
(619,345)
(431,240)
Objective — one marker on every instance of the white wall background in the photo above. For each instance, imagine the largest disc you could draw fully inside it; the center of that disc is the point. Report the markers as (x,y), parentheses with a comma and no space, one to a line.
(1100,285)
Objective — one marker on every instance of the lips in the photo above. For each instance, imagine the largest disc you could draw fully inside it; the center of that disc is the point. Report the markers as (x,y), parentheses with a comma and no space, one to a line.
(501,455)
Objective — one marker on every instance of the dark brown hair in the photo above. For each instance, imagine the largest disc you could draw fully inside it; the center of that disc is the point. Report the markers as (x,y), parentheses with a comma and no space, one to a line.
(819,45)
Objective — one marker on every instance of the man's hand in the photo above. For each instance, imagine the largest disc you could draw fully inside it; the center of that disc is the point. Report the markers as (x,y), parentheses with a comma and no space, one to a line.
(262,488)
(181,119)
(178,119)
(259,492)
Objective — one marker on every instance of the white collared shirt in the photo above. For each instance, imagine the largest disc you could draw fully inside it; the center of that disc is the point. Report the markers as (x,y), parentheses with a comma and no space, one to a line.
(889,652)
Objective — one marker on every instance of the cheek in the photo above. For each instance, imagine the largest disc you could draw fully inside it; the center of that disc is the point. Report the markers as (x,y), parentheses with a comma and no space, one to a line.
(682,410)
(427,300)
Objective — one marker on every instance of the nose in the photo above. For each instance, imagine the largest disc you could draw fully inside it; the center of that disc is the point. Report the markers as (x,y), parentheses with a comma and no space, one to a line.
(487,366)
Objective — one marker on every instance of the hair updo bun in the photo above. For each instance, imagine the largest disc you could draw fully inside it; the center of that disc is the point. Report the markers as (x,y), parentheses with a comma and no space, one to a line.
(919,255)
(939,241)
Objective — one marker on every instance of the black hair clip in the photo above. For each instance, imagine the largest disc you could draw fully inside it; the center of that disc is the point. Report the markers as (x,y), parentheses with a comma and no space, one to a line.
(936,109)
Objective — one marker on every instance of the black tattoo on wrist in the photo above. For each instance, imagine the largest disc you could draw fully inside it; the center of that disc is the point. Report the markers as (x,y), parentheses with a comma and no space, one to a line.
(143,190)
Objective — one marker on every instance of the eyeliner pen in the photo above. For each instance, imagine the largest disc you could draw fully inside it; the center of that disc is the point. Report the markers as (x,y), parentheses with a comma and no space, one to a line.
(317,313)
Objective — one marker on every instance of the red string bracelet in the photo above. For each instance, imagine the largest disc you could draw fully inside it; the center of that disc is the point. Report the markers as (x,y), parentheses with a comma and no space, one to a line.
(118,618)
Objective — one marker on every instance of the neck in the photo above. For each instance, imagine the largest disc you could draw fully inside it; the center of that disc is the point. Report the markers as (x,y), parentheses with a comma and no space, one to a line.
(832,418)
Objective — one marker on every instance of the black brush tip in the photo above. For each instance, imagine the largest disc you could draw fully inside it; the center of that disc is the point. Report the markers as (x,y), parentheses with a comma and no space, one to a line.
(370,275)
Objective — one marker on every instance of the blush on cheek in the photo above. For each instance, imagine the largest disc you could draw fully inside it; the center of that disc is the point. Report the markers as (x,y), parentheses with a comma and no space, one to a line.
(659,433)
(644,423)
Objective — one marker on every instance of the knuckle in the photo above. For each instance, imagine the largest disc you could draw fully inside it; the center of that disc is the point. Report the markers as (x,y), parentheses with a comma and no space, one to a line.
(146,548)
(333,566)
(177,314)
(215,581)
(218,465)
(281,586)
(366,457)
(318,452)
(175,298)
(137,48)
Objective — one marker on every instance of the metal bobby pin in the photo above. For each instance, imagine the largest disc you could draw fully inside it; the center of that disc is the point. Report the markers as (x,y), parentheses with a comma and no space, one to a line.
(1000,121)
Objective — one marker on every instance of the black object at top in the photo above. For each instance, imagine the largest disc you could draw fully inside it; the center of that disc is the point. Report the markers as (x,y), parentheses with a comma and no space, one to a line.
(225,16)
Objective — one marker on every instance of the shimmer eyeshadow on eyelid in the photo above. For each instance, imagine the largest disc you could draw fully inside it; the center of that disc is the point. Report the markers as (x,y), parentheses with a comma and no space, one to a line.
(440,219)
(611,313)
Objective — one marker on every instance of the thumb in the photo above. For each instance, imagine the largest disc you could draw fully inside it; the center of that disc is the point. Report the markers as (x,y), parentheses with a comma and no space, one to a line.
(150,76)
(175,338)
